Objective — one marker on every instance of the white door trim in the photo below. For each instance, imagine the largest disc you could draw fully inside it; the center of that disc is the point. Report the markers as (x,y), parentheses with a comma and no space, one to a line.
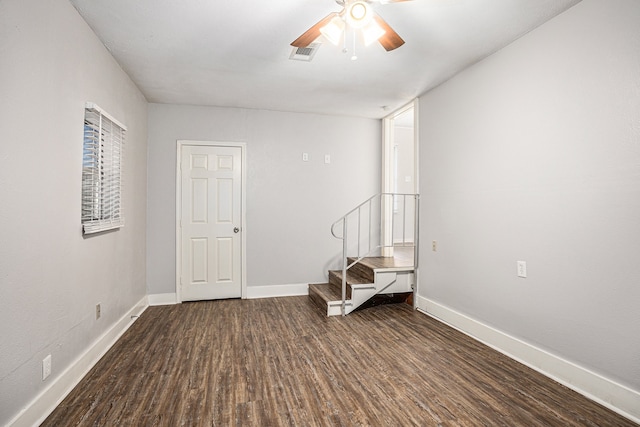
(243,146)
(387,165)
(387,178)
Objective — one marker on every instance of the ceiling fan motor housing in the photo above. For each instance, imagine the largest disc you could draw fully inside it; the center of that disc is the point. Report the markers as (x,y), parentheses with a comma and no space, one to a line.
(358,14)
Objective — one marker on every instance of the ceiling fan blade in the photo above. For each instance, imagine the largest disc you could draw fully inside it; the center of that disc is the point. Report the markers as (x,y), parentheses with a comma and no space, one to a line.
(313,33)
(390,39)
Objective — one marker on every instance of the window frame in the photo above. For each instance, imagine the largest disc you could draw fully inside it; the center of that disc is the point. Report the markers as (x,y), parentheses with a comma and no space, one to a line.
(102,155)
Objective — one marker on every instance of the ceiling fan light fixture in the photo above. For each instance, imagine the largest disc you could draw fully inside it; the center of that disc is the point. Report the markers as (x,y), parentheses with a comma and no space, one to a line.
(358,14)
(372,32)
(333,30)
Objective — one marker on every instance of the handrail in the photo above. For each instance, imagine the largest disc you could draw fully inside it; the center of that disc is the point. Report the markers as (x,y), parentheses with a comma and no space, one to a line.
(352,211)
(364,203)
(386,229)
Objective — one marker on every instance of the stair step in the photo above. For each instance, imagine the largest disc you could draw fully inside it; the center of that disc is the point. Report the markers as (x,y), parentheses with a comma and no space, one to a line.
(335,280)
(362,269)
(353,278)
(322,294)
(398,263)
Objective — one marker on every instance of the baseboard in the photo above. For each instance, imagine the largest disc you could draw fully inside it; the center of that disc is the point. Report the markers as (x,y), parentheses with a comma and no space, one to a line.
(273,291)
(163,299)
(43,404)
(606,392)
(253,292)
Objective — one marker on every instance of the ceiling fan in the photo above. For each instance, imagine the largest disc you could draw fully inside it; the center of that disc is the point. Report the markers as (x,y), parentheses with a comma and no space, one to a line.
(357,14)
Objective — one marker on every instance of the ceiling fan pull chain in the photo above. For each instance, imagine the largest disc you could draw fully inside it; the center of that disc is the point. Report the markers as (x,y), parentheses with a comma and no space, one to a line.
(344,36)
(354,56)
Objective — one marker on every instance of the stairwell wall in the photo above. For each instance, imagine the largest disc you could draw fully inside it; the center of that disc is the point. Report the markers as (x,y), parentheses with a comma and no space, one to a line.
(534,154)
(291,204)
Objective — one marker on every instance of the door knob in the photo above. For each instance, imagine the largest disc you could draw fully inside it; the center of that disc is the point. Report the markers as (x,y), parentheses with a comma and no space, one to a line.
(236,229)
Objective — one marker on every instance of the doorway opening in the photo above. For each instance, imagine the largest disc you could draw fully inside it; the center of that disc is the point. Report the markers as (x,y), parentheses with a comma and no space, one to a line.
(399,167)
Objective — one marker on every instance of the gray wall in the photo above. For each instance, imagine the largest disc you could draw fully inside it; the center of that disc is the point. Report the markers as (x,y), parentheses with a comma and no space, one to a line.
(51,277)
(534,154)
(291,204)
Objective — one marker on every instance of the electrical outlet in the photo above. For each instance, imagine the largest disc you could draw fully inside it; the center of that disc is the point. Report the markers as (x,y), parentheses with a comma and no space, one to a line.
(46,367)
(522,269)
(434,245)
(305,157)
(98,311)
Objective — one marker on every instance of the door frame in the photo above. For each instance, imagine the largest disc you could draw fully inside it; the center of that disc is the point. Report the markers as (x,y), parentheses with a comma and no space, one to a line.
(388,166)
(243,210)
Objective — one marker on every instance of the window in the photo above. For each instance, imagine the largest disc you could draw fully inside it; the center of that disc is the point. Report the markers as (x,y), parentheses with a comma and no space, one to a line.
(101,171)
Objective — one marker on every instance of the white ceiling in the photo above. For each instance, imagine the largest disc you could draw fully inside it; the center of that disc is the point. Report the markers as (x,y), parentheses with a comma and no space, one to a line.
(235,53)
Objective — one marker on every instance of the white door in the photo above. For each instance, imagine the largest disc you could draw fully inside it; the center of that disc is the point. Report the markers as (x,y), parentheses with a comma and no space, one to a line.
(211,219)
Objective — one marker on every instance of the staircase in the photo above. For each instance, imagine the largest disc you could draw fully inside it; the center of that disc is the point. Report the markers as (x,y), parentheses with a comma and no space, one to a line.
(379,226)
(371,281)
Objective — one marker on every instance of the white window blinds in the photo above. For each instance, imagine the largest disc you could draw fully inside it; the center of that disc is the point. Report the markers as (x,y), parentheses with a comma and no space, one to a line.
(101,171)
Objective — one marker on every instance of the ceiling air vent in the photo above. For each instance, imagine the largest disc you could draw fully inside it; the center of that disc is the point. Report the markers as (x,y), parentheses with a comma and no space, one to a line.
(305,53)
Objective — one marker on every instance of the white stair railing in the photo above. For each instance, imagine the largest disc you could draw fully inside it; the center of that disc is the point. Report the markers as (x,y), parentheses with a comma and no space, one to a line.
(375,227)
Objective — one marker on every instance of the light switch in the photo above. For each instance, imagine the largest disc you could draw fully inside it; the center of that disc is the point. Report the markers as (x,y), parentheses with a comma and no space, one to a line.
(522,269)
(327,158)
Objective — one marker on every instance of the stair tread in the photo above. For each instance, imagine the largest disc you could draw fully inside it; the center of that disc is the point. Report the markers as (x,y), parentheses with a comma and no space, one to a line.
(379,262)
(352,278)
(326,291)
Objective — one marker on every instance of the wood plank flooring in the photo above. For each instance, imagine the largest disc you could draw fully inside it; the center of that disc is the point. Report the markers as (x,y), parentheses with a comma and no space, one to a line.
(281,362)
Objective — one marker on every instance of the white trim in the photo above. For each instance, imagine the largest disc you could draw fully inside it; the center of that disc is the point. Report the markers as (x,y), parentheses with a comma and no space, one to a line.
(243,146)
(388,142)
(615,396)
(416,188)
(163,299)
(416,146)
(45,402)
(387,166)
(274,291)
(397,243)
(94,106)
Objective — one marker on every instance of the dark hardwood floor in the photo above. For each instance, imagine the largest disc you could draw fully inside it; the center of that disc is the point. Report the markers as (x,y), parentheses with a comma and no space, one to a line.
(281,362)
